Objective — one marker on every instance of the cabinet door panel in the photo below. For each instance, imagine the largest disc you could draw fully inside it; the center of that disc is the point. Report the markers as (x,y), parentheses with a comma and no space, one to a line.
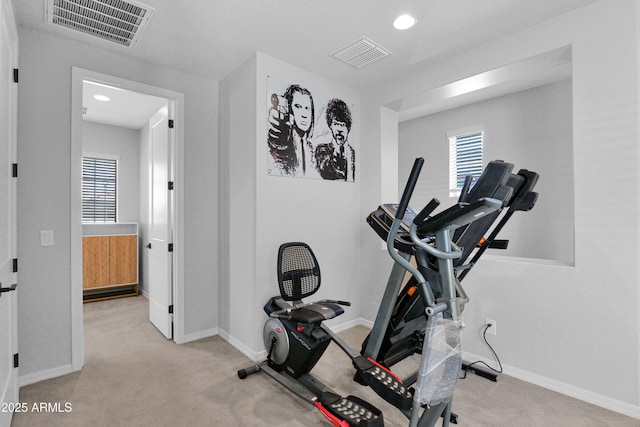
(95,262)
(123,260)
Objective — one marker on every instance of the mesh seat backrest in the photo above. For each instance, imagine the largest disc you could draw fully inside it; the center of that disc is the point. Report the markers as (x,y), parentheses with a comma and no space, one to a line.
(298,271)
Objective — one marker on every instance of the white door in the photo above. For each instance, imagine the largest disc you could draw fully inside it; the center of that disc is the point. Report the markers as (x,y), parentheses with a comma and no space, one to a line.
(159,282)
(8,227)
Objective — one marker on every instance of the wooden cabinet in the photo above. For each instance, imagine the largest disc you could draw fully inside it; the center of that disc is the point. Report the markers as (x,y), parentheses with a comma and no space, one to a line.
(123,260)
(95,262)
(109,266)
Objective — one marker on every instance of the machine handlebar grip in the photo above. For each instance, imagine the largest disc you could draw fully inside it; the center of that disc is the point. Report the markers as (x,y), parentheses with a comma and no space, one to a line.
(426,211)
(465,188)
(334,301)
(408,189)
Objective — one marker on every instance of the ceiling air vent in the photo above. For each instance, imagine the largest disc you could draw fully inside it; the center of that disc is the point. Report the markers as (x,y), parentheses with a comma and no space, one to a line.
(360,53)
(117,21)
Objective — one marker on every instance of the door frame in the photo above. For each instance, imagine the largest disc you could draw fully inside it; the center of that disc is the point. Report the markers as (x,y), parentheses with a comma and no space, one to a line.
(166,314)
(177,99)
(9,385)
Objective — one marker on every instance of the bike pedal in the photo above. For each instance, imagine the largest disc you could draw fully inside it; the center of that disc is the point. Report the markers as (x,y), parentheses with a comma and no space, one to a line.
(350,411)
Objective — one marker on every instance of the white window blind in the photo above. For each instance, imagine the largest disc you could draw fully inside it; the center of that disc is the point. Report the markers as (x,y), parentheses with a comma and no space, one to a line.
(99,189)
(465,158)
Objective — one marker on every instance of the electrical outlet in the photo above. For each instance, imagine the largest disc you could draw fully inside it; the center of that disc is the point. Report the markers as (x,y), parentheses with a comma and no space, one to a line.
(493,329)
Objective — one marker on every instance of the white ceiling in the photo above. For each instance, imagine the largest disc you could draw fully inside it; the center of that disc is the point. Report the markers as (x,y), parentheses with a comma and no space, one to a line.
(125,108)
(212,37)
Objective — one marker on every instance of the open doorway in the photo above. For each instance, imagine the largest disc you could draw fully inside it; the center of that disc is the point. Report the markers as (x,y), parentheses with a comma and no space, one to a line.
(115,188)
(132,118)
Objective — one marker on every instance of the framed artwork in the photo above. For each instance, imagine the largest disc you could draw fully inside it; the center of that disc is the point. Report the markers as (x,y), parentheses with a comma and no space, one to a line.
(308,133)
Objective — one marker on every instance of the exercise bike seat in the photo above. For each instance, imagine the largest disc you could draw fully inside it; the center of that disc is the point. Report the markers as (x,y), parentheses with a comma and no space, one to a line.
(310,313)
(299,277)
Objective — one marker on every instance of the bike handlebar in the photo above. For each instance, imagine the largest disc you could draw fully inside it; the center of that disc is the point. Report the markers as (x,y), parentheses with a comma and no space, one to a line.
(408,189)
(426,211)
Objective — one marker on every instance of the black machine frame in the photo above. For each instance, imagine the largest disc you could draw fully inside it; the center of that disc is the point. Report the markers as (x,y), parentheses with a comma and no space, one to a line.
(399,327)
(445,246)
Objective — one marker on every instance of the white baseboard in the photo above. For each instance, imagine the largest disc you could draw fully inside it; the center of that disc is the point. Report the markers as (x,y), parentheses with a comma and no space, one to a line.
(560,387)
(548,383)
(337,328)
(365,322)
(45,375)
(563,388)
(251,354)
(199,335)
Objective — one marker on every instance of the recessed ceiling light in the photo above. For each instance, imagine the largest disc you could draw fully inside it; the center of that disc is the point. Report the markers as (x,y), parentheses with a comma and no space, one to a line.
(404,22)
(101,98)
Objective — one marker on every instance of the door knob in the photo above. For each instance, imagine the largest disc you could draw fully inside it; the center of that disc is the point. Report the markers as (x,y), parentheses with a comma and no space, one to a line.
(148,245)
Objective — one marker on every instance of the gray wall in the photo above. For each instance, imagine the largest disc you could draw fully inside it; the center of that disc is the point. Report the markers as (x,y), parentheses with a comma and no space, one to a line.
(260,211)
(44,137)
(531,129)
(99,138)
(573,328)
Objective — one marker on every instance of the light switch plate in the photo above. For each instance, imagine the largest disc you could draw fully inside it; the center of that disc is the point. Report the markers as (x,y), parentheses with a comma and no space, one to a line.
(46,237)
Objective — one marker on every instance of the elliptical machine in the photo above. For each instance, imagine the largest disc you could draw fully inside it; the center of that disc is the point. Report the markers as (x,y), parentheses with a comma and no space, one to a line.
(399,328)
(296,337)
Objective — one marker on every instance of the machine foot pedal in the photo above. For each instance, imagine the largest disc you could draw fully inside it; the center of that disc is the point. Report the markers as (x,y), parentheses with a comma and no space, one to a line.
(349,411)
(387,385)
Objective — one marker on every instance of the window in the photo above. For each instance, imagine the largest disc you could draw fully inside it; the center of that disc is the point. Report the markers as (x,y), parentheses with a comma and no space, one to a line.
(99,189)
(465,158)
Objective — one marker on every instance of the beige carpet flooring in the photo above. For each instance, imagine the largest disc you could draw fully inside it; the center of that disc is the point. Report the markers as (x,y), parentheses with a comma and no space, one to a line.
(133,376)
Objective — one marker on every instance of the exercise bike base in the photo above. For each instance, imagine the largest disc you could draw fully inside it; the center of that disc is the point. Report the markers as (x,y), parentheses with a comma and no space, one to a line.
(349,411)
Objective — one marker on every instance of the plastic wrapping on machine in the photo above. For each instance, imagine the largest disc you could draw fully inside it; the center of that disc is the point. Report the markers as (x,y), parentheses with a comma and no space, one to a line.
(440,370)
